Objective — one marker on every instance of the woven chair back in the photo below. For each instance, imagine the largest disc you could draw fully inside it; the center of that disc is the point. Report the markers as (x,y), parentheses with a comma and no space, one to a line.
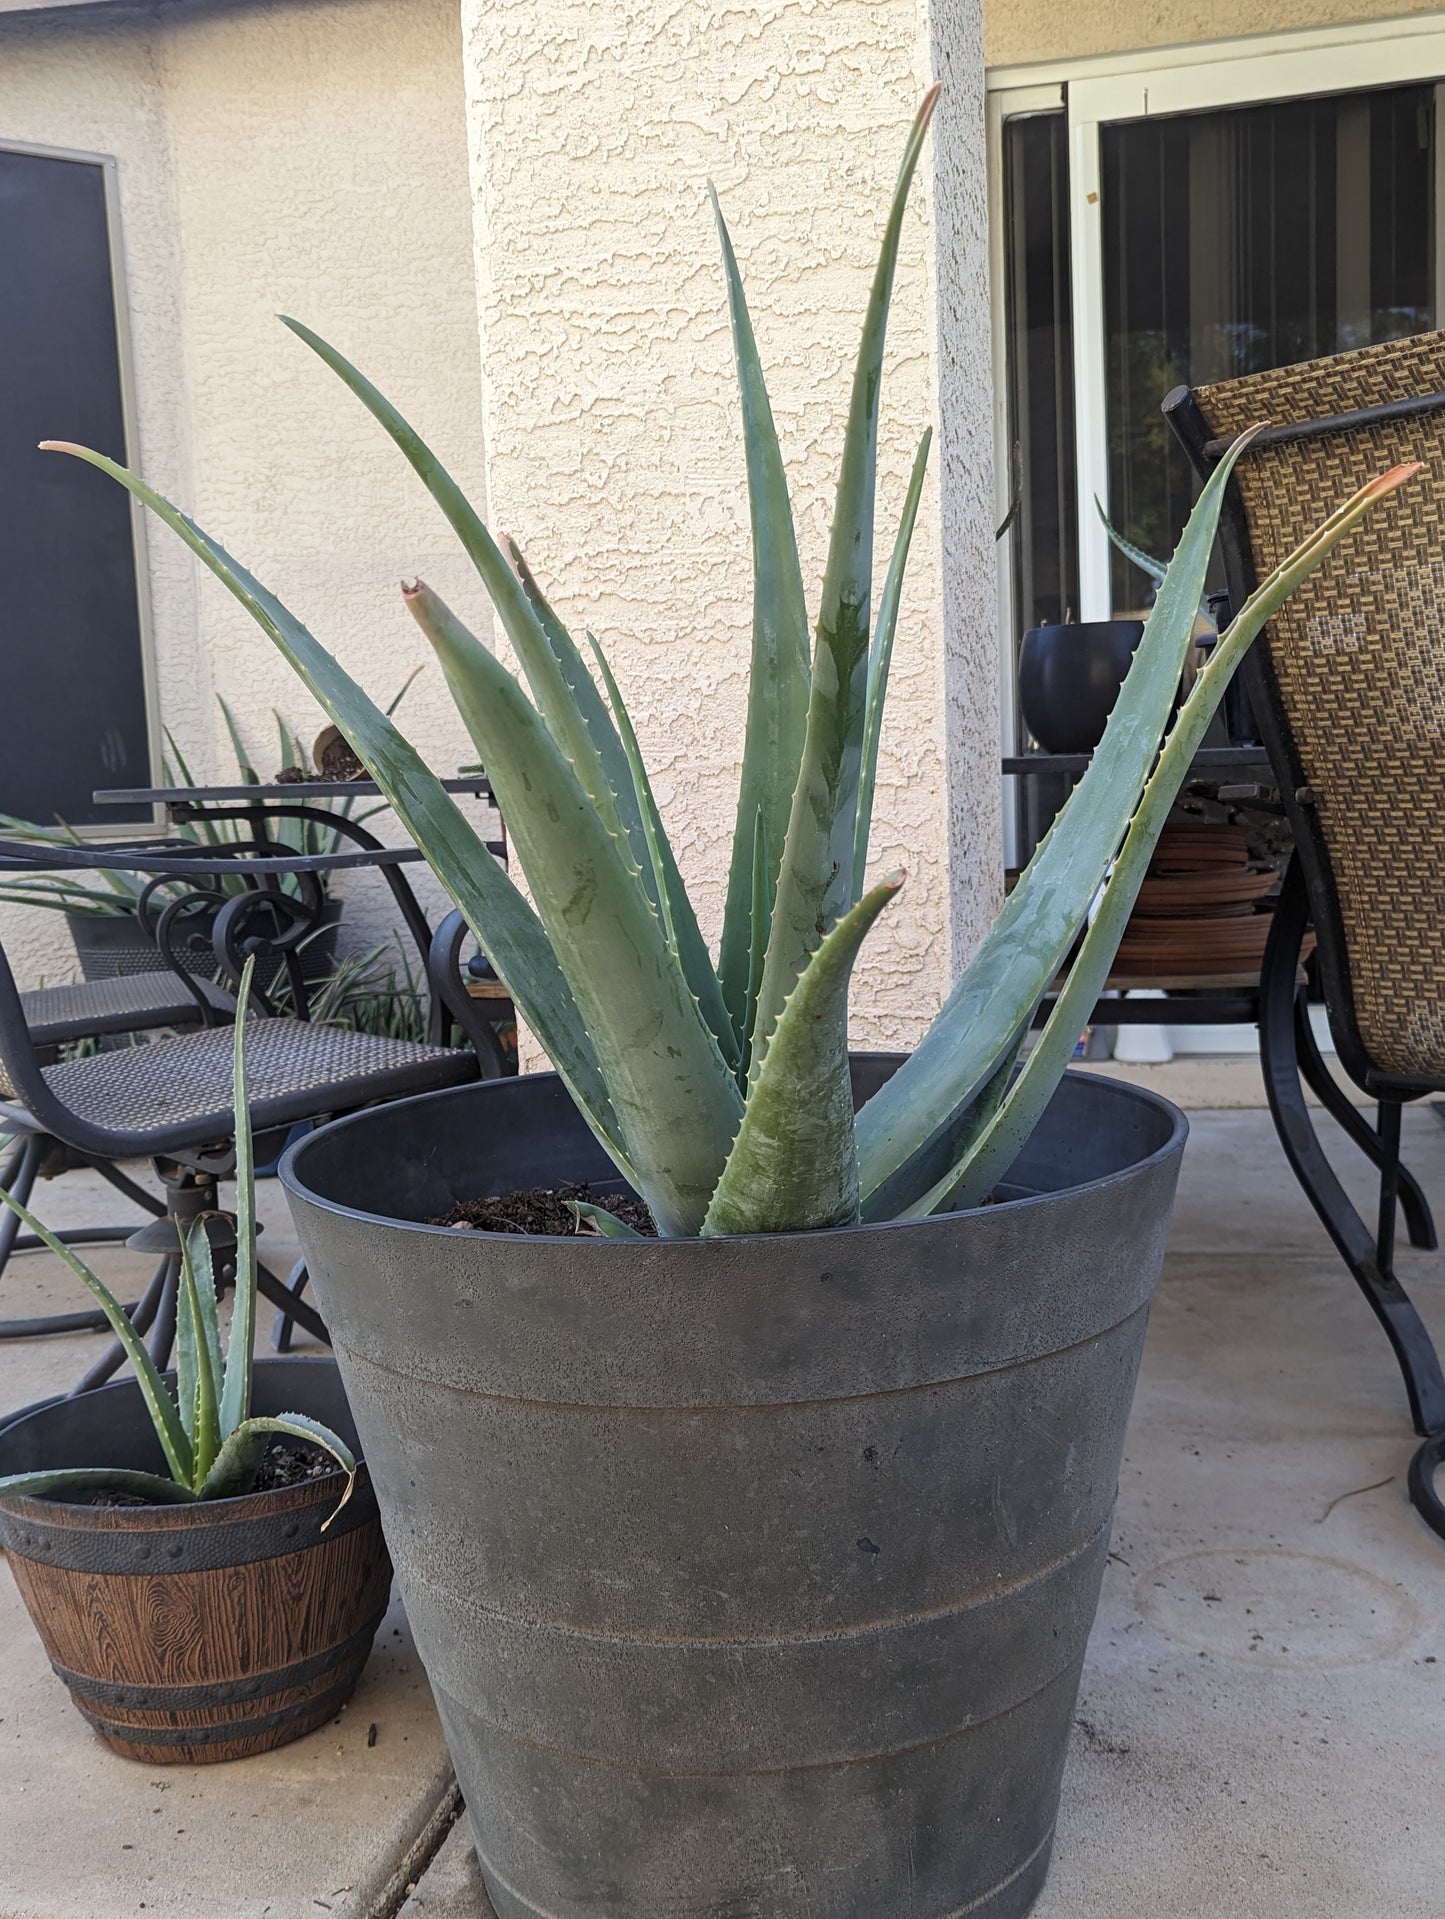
(1357,656)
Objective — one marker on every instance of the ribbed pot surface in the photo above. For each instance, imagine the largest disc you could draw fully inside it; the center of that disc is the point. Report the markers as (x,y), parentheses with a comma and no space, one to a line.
(752,1576)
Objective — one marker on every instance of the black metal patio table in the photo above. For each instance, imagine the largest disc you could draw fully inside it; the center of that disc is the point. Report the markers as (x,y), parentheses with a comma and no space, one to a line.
(263,801)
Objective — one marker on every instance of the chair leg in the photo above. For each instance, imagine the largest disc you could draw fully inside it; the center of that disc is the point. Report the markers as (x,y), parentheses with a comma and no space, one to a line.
(1389,1131)
(1421,1482)
(1419,1364)
(285,1326)
(1413,1204)
(294,1311)
(18,1176)
(123,1183)
(13,1162)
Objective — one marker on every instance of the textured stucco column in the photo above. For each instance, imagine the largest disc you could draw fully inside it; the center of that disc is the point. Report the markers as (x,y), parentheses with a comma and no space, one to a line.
(613,440)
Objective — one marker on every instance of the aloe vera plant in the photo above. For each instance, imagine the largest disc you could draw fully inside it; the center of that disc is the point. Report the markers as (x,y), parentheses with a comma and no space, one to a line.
(210,1442)
(721,1089)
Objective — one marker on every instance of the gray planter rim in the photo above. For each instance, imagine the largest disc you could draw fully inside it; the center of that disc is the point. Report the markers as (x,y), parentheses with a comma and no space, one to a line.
(292,1173)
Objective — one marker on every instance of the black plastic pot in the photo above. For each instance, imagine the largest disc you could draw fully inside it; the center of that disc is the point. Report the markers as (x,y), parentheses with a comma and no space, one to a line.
(1069,679)
(203,1632)
(752,1576)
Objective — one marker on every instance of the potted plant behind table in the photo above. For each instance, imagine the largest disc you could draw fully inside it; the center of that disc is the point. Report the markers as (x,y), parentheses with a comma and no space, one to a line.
(752,1564)
(202,1557)
(107,920)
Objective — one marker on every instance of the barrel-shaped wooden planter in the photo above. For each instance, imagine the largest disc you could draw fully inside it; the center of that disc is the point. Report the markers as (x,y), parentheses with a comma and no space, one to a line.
(201,1632)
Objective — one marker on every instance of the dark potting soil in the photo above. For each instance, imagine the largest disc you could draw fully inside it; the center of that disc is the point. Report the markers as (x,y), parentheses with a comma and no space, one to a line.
(544,1210)
(289,1462)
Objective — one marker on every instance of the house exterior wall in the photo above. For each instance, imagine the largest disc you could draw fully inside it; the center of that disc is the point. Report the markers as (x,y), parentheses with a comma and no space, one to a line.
(292,155)
(615,448)
(357,219)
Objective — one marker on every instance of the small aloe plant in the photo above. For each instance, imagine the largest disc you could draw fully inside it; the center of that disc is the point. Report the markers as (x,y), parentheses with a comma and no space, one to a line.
(211,1443)
(721,1087)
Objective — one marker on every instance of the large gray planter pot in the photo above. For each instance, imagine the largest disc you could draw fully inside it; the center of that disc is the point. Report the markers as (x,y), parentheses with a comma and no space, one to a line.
(752,1576)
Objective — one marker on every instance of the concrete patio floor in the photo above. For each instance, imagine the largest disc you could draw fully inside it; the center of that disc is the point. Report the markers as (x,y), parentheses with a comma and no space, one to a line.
(1260,1729)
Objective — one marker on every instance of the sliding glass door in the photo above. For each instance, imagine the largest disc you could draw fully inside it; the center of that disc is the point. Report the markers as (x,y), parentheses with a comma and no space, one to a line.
(1243,239)
(1230,209)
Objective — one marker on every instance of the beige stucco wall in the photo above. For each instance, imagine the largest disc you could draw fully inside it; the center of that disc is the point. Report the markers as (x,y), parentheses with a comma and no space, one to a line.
(615,449)
(286,155)
(319,168)
(1020,31)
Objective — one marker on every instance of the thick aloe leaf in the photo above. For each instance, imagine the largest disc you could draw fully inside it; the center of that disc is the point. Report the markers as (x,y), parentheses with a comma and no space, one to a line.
(778,687)
(1024,948)
(880,658)
(758,933)
(554,690)
(610,749)
(667,891)
(898,1197)
(198,1245)
(608,1225)
(949,1191)
(793,1166)
(159,1404)
(675,1099)
(204,1344)
(1151,568)
(236,1463)
(994,1152)
(495,910)
(815,880)
(66,1480)
(240,1345)
(188,1344)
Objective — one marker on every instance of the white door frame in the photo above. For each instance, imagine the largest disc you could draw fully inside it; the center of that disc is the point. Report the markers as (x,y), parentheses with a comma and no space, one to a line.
(1010,104)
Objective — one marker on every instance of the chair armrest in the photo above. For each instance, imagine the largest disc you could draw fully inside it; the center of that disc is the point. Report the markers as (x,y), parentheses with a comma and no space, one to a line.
(448,991)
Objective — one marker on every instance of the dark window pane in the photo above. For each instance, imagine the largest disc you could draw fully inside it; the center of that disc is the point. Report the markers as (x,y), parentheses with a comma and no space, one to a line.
(70,642)
(1044,536)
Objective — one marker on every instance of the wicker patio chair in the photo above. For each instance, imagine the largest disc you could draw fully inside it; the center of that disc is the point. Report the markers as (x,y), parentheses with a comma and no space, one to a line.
(169,1100)
(1348,690)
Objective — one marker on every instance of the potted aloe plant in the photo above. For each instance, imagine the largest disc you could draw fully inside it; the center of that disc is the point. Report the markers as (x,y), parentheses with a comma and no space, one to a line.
(752,1563)
(204,1592)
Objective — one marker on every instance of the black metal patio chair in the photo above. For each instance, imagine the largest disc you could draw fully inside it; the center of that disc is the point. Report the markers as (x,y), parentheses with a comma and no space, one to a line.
(169,1100)
(1347,686)
(103,1011)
